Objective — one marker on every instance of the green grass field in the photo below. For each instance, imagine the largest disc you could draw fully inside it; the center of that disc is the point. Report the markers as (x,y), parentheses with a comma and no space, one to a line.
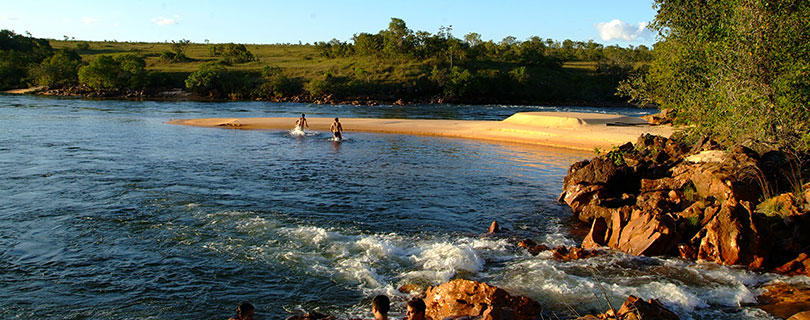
(302,61)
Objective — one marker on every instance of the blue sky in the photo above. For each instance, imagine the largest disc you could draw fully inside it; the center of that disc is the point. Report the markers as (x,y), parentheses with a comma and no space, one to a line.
(608,22)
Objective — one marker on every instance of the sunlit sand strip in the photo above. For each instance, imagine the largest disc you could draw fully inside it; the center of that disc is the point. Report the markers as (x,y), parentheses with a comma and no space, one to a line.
(582,131)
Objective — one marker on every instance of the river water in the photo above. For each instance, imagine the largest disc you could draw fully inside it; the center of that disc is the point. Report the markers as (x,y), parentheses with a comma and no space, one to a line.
(106,212)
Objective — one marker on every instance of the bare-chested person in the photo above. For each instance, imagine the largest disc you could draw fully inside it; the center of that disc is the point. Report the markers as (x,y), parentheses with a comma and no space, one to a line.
(337,129)
(301,123)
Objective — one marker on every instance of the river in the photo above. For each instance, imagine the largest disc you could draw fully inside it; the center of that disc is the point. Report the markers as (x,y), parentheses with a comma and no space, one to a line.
(106,212)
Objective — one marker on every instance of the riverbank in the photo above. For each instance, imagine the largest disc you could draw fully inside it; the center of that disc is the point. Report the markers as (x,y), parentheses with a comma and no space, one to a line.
(581,131)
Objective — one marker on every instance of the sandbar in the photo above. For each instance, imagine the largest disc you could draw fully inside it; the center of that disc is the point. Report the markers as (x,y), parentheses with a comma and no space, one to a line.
(572,130)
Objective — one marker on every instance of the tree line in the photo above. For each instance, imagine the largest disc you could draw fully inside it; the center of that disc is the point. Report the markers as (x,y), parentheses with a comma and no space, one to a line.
(451,69)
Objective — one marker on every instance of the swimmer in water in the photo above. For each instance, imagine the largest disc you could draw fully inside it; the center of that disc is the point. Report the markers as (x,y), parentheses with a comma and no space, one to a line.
(337,129)
(301,122)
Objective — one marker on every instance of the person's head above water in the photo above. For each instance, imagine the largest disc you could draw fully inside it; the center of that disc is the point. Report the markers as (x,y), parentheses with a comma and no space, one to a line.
(336,119)
(302,115)
(380,304)
(416,309)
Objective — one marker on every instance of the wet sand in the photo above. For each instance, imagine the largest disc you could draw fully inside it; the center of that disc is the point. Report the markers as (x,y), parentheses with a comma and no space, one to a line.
(581,131)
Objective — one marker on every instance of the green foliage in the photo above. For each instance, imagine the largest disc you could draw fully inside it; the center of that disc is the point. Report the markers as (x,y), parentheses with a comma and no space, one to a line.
(110,73)
(208,80)
(277,84)
(17,54)
(83,46)
(61,69)
(732,70)
(232,53)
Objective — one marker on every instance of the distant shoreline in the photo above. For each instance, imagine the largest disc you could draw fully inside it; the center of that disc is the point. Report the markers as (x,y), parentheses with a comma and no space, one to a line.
(181,95)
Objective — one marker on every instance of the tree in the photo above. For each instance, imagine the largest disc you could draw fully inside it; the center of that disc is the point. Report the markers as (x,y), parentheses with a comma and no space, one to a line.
(61,69)
(232,53)
(732,70)
(207,79)
(122,72)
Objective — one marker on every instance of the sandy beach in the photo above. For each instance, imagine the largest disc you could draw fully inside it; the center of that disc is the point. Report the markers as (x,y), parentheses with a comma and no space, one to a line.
(581,131)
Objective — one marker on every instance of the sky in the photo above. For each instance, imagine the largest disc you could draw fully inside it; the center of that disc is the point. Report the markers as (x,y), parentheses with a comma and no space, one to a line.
(614,22)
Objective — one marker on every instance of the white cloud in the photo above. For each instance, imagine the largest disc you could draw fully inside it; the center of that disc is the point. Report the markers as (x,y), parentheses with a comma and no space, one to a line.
(165,21)
(89,20)
(620,30)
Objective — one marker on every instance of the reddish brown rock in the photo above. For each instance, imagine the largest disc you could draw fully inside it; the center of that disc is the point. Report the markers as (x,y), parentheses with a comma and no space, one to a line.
(470,298)
(494,227)
(532,247)
(572,253)
(598,236)
(410,287)
(637,309)
(784,300)
(731,237)
(648,234)
(798,266)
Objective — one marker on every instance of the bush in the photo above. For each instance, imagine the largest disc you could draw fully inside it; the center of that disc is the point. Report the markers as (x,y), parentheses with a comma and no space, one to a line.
(122,72)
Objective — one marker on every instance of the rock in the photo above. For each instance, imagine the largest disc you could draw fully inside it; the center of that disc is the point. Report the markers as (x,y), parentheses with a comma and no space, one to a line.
(597,171)
(572,253)
(731,237)
(494,227)
(532,247)
(598,236)
(585,201)
(648,234)
(784,300)
(711,156)
(637,309)
(805,315)
(410,287)
(798,266)
(470,298)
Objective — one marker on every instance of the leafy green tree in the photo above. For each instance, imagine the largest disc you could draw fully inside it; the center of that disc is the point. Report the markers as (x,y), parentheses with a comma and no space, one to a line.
(122,72)
(61,69)
(209,79)
(233,53)
(732,70)
(277,84)
(17,54)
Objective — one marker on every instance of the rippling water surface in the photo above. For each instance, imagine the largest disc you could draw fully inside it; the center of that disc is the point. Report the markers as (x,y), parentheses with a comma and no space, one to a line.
(107,212)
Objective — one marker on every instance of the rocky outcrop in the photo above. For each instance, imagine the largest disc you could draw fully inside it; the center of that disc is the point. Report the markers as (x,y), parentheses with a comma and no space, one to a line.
(785,300)
(798,266)
(560,252)
(470,298)
(637,309)
(661,197)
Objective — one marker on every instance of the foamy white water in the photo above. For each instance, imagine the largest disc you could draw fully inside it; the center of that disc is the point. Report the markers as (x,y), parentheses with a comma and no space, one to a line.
(380,263)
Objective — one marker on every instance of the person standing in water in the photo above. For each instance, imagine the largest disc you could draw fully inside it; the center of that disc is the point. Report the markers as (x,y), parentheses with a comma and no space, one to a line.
(301,122)
(337,129)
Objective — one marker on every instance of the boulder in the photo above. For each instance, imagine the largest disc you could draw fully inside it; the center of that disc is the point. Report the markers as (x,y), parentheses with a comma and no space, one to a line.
(637,309)
(470,298)
(798,266)
(784,300)
(572,253)
(648,234)
(731,237)
(532,247)
(493,228)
